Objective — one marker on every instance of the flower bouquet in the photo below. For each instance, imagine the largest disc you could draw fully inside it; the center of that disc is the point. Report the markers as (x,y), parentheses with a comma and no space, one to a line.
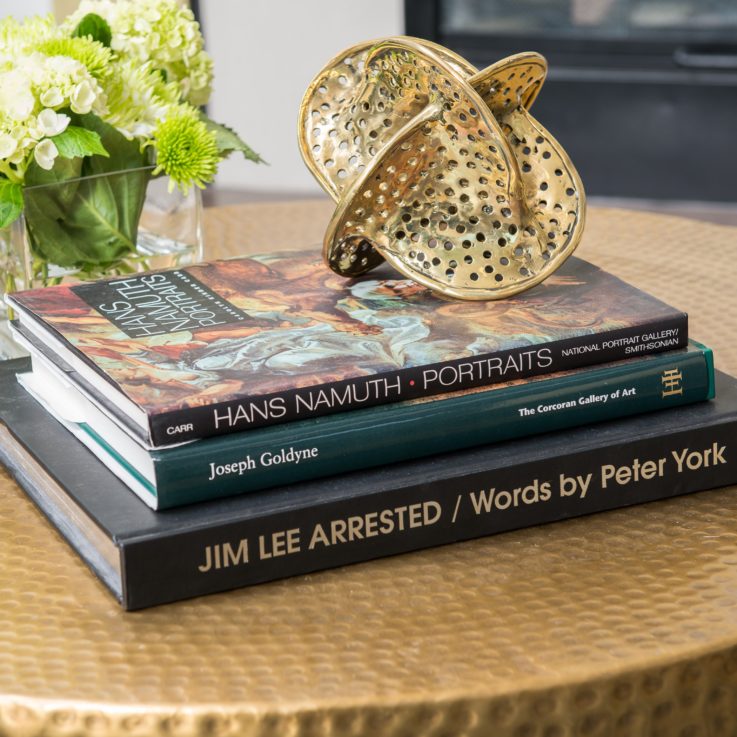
(90,111)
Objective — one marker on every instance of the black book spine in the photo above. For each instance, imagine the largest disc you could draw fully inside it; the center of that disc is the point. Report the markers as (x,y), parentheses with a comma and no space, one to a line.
(247,413)
(396,520)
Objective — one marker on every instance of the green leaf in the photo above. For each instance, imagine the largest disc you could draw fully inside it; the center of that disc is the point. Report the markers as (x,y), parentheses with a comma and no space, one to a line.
(95,27)
(11,202)
(76,141)
(63,176)
(228,140)
(122,153)
(130,190)
(88,221)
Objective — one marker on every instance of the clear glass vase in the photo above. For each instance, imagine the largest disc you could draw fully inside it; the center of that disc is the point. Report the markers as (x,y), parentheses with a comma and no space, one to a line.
(91,227)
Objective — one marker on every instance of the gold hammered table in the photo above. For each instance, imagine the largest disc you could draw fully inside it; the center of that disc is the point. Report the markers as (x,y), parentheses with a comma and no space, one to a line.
(622,623)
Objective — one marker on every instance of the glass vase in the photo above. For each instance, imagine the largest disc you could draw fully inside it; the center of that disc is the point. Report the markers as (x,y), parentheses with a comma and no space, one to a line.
(91,227)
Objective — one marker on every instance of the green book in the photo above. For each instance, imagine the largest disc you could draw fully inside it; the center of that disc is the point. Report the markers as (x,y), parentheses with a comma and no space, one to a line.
(282,454)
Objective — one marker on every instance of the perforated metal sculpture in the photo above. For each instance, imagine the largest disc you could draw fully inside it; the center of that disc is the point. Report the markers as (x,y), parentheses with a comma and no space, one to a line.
(440,169)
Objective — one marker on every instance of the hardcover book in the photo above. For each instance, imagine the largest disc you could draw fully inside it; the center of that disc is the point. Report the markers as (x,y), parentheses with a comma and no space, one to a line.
(233,345)
(149,558)
(245,462)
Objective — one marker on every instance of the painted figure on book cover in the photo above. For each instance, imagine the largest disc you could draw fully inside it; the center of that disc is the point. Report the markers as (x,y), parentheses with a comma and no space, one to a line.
(265,324)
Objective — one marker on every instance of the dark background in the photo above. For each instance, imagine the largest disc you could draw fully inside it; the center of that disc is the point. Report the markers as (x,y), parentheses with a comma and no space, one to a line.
(641,93)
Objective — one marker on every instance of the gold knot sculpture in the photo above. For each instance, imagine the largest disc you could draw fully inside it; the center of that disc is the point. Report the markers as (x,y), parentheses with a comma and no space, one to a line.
(440,169)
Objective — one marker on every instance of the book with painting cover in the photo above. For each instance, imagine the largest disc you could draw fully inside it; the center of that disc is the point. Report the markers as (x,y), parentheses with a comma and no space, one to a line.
(234,345)
(148,558)
(222,466)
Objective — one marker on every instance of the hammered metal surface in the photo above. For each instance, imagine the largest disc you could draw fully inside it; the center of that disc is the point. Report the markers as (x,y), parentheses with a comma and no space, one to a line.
(622,623)
(333,107)
(440,169)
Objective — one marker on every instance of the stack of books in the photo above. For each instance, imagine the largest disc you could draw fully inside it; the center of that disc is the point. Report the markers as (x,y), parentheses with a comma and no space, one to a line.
(201,429)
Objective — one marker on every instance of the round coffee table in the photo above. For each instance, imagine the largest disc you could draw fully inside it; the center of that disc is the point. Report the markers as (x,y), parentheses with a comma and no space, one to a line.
(622,623)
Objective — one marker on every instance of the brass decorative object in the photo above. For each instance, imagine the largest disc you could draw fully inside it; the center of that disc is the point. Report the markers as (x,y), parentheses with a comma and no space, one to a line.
(440,169)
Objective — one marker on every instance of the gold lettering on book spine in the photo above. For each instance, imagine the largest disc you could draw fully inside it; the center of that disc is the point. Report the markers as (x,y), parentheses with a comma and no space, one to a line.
(440,169)
(671,380)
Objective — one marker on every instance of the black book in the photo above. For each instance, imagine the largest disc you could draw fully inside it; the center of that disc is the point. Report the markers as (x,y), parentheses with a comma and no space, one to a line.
(148,558)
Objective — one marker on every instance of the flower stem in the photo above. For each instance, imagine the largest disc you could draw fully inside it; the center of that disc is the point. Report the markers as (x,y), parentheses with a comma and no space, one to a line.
(10,287)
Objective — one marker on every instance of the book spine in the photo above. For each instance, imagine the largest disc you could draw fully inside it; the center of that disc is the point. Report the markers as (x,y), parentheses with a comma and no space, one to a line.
(247,413)
(397,520)
(330,445)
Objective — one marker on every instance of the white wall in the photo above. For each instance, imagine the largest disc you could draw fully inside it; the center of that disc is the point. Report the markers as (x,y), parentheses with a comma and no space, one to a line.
(23,8)
(266,52)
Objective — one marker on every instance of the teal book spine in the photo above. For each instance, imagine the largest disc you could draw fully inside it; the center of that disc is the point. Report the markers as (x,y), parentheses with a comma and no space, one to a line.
(324,446)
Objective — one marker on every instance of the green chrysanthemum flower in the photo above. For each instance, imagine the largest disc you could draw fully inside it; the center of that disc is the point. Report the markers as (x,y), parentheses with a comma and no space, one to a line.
(18,36)
(186,150)
(96,57)
(138,98)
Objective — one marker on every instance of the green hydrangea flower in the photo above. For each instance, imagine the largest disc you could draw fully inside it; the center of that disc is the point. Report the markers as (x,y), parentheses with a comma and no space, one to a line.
(185,150)
(145,85)
(31,91)
(162,32)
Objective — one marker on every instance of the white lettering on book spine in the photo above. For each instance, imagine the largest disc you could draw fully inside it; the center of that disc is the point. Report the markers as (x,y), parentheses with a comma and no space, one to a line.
(266,459)
(360,392)
(479,370)
(248,412)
